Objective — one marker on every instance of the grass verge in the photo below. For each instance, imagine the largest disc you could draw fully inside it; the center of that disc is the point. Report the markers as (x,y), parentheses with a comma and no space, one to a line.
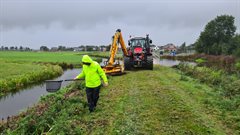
(140,102)
(226,95)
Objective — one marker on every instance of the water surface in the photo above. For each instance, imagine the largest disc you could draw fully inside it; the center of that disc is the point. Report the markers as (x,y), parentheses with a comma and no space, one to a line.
(16,102)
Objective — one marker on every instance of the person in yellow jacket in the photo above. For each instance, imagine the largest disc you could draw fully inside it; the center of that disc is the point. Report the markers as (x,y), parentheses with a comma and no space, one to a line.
(92,72)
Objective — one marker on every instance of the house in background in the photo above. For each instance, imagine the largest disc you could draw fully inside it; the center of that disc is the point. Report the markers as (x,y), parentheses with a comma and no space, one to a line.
(154,47)
(103,48)
(54,49)
(80,48)
(169,48)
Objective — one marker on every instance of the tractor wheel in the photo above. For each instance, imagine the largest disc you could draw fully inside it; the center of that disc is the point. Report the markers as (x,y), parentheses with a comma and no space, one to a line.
(127,63)
(149,63)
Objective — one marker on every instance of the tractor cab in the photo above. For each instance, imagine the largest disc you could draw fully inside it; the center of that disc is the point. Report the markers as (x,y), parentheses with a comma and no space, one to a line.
(139,53)
(139,44)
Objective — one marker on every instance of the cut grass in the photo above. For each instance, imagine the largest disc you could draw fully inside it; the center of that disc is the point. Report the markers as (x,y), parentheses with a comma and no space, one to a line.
(140,102)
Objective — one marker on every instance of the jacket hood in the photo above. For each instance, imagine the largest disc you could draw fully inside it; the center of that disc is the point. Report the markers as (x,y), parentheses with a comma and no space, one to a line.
(87,59)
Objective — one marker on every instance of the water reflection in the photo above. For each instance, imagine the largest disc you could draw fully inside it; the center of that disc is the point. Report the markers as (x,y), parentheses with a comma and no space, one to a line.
(17,101)
(169,63)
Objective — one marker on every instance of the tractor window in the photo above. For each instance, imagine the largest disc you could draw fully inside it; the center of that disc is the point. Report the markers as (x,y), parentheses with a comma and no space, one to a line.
(140,42)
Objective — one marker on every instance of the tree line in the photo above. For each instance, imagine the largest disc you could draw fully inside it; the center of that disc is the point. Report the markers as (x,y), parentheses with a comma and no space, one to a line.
(219,37)
(15,48)
(79,48)
(59,48)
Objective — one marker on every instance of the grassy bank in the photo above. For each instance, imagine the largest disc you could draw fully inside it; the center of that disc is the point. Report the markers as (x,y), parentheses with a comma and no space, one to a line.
(15,76)
(164,104)
(227,91)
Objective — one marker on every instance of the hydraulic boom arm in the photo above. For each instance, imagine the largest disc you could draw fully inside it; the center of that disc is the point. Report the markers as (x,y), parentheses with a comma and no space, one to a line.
(117,39)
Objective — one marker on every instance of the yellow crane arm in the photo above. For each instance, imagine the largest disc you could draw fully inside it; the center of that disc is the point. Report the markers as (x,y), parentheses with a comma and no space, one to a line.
(117,39)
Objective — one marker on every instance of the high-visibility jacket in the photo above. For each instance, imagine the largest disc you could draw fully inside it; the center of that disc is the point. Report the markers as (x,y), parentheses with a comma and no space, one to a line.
(92,73)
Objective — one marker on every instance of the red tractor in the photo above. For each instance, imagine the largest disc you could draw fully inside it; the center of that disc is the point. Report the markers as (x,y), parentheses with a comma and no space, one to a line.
(139,53)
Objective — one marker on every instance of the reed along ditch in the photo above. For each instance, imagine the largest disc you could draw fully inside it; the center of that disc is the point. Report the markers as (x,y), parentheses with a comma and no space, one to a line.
(14,103)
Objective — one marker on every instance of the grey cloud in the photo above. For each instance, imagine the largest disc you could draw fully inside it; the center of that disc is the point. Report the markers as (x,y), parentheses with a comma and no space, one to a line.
(87,14)
(24,14)
(38,22)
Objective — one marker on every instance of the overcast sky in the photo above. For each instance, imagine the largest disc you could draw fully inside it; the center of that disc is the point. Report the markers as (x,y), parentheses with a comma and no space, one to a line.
(34,23)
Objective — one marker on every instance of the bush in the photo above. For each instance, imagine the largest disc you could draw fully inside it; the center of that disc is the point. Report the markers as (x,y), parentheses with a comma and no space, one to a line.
(237,65)
(230,85)
(237,53)
(204,74)
(222,62)
(200,61)
(232,89)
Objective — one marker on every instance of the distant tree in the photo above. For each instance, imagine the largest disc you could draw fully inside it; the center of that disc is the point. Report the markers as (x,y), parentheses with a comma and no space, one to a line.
(235,45)
(27,49)
(102,47)
(44,48)
(237,53)
(6,48)
(69,49)
(108,47)
(190,48)
(182,48)
(89,48)
(16,48)
(2,47)
(12,48)
(61,48)
(216,36)
(20,48)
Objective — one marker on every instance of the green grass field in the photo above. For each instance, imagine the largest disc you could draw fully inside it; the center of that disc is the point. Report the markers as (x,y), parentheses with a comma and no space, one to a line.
(15,76)
(9,70)
(29,57)
(20,69)
(140,102)
(101,54)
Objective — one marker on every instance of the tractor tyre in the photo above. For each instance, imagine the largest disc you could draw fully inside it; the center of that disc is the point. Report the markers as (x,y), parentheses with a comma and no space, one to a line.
(149,63)
(127,63)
